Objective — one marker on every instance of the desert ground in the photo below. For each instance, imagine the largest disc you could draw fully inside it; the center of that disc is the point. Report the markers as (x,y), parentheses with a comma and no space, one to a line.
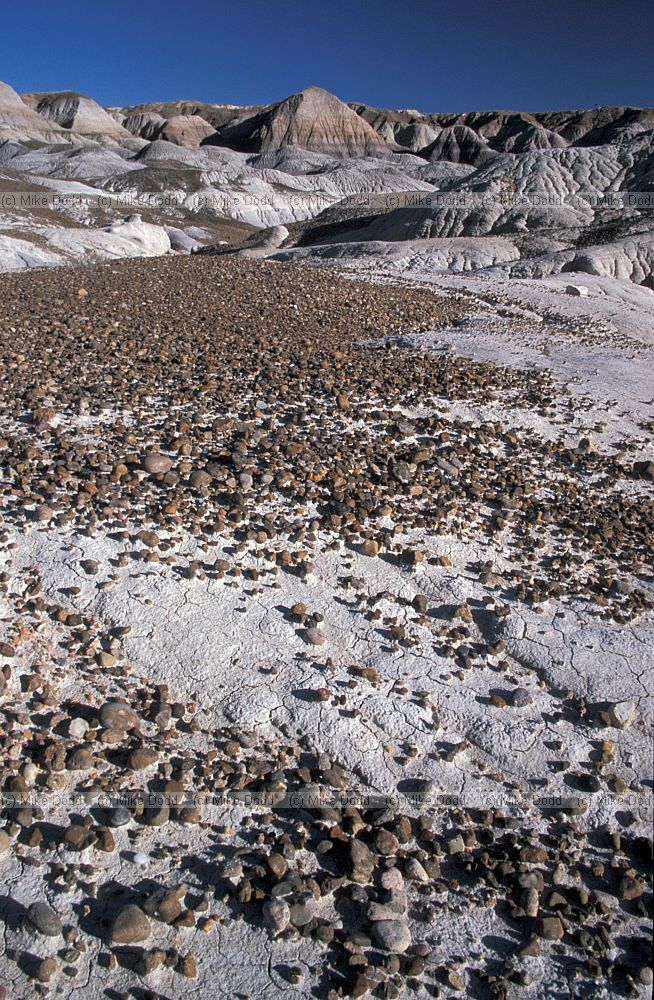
(326,533)
(307,547)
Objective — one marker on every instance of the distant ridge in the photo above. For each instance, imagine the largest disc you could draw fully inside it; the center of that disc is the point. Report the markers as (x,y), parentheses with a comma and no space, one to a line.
(316,121)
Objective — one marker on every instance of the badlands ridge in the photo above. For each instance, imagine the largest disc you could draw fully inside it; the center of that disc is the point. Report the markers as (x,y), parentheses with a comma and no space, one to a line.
(505,194)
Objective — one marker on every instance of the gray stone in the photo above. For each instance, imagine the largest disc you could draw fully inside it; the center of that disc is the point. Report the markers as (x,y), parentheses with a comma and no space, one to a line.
(120,816)
(362,860)
(622,714)
(455,845)
(550,928)
(392,935)
(314,637)
(520,698)
(77,728)
(155,463)
(304,910)
(383,911)
(530,902)
(276,915)
(44,919)
(392,879)
(415,871)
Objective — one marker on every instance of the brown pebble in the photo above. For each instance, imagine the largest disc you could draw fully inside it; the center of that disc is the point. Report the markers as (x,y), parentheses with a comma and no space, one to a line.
(45,970)
(142,758)
(550,928)
(187,967)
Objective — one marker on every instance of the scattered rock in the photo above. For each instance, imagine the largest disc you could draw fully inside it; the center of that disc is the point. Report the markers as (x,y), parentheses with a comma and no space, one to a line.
(166,905)
(78,728)
(187,967)
(315,637)
(142,758)
(77,837)
(630,888)
(455,845)
(520,698)
(622,714)
(119,816)
(386,842)
(362,862)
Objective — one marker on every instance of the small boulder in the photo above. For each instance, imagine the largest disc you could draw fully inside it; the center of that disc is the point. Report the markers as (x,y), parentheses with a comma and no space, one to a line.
(45,970)
(118,715)
(142,758)
(44,919)
(130,925)
(622,714)
(392,935)
(155,463)
(276,915)
(550,928)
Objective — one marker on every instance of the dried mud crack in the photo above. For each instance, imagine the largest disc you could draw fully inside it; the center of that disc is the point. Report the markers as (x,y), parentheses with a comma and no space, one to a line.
(312,678)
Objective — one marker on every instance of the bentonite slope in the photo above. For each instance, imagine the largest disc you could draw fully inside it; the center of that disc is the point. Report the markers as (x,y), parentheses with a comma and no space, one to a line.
(326,611)
(20,123)
(314,120)
(78,114)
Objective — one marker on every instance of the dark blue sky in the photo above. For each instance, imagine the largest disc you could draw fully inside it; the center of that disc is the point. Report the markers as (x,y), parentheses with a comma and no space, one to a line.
(454,55)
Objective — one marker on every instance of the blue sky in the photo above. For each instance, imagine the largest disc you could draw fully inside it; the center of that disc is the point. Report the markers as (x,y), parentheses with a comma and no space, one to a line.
(434,56)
